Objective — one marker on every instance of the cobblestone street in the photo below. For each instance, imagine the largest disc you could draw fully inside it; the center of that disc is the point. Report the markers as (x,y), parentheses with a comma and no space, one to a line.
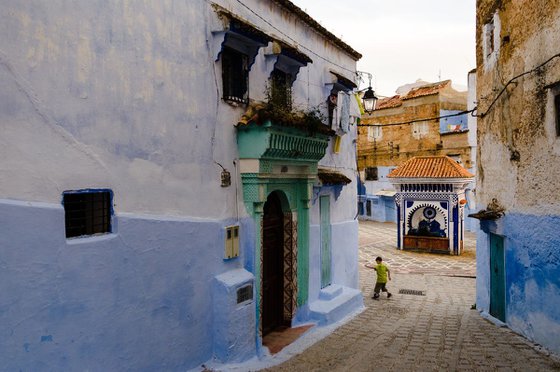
(434,331)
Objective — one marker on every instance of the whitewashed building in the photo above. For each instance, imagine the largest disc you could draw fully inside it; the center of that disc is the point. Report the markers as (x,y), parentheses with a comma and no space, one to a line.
(142,227)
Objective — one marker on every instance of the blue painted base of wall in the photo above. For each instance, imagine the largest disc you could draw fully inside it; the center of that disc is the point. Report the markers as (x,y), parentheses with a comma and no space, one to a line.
(532,261)
(381,208)
(137,299)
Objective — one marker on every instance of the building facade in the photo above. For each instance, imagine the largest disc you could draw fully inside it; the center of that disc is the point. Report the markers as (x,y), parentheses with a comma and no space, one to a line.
(384,144)
(518,94)
(148,220)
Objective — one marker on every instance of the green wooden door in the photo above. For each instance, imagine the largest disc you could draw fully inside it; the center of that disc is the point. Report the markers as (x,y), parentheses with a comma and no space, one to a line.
(497,278)
(325,208)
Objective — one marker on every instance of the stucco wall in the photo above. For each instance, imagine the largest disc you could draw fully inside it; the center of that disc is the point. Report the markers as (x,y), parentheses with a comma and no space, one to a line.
(401,142)
(518,147)
(127,96)
(135,299)
(531,275)
(518,162)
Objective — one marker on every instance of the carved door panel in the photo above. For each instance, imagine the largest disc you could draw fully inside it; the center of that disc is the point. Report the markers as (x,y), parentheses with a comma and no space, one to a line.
(273,274)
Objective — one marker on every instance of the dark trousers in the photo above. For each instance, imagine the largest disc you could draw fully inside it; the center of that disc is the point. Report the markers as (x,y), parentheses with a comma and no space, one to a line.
(380,287)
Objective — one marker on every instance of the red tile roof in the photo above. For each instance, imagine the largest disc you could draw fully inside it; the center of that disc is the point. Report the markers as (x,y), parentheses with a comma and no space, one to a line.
(427,90)
(424,90)
(389,102)
(430,167)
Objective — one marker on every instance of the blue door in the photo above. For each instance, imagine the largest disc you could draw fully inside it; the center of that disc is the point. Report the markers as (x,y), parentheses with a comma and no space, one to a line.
(325,210)
(497,278)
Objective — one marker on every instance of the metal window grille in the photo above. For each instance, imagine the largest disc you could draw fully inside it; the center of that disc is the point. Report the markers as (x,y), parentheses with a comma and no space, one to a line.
(87,213)
(235,75)
(281,89)
(245,293)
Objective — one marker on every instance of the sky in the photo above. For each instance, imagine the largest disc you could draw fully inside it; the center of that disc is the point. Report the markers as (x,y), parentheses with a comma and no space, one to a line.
(403,40)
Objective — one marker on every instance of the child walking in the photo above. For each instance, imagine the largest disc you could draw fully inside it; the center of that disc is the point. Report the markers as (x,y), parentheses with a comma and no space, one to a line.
(383,274)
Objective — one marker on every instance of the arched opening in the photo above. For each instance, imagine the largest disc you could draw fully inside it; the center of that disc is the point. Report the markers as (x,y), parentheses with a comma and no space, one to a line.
(272,265)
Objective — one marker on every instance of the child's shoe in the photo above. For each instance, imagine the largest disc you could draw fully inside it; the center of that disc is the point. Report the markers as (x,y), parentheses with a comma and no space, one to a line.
(375,296)
(389,295)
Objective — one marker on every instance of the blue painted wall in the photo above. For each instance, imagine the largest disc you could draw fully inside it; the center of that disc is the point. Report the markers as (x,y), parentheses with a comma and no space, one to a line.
(454,123)
(137,299)
(383,208)
(532,260)
(127,95)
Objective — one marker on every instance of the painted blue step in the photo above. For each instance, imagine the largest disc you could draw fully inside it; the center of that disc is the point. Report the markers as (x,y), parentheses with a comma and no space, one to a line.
(334,304)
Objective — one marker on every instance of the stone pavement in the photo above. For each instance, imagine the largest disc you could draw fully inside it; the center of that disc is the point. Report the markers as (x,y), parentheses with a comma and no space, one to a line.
(431,332)
(380,239)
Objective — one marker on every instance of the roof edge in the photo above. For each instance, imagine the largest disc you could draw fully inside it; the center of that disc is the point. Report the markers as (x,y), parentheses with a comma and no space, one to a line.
(306,18)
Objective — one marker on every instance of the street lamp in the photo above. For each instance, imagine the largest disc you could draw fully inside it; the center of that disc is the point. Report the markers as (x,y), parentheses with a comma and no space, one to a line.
(369,99)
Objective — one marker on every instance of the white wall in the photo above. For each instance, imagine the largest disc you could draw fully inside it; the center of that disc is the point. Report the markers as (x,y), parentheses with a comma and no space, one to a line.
(127,96)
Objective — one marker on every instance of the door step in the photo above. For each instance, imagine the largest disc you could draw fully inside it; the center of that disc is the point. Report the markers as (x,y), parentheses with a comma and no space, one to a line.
(334,303)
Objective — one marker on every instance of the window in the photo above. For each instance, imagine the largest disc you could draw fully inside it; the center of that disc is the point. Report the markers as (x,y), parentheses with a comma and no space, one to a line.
(281,89)
(371,174)
(553,110)
(87,212)
(419,129)
(244,293)
(491,41)
(557,112)
(489,38)
(235,75)
(374,133)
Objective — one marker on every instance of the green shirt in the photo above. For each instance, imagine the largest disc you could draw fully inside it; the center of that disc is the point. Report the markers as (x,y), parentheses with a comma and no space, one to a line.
(382,270)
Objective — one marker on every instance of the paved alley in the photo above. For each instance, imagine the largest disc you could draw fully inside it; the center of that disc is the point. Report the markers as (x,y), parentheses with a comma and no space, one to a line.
(434,329)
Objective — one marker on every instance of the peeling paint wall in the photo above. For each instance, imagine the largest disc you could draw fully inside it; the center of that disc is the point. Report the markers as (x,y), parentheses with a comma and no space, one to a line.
(519,160)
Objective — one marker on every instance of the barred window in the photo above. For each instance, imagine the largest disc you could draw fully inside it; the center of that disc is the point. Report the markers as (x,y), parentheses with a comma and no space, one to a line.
(235,75)
(244,293)
(281,89)
(87,212)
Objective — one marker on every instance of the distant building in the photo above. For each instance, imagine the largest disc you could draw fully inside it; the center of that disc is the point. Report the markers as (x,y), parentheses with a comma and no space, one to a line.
(386,144)
(430,203)
(518,172)
(149,220)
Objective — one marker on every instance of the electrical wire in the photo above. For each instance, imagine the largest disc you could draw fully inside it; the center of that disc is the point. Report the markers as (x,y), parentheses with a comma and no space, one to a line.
(418,120)
(512,80)
(481,115)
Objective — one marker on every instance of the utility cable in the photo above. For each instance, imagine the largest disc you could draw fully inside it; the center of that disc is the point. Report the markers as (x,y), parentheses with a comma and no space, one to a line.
(481,115)
(418,120)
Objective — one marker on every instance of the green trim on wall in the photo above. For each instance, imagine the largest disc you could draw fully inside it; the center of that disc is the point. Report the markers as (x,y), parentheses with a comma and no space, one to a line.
(287,162)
